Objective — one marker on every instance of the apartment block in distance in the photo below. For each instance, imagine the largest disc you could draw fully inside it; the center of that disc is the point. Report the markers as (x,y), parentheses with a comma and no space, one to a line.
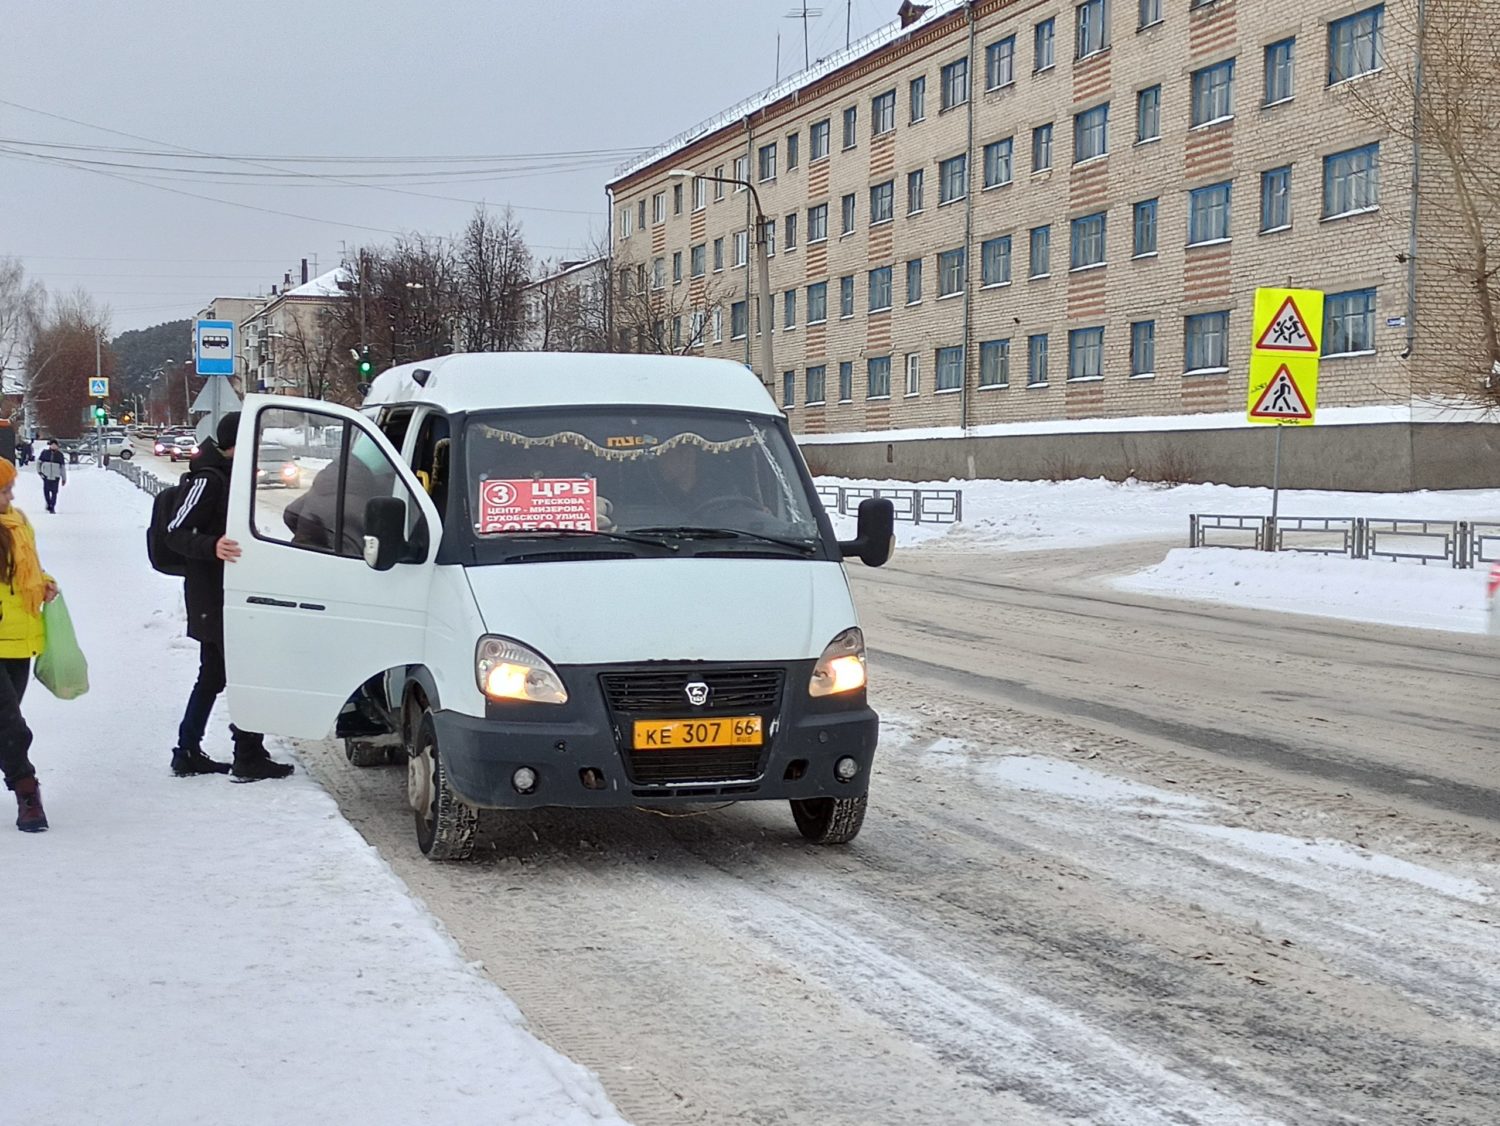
(1011,219)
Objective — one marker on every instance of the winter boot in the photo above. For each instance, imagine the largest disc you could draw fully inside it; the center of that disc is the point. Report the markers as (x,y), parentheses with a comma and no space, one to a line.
(189,761)
(252,762)
(30,817)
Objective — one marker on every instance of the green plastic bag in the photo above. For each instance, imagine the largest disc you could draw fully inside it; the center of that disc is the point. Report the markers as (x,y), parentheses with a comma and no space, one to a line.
(62,667)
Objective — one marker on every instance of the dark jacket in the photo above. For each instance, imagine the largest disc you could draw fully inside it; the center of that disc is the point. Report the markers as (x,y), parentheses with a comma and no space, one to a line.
(194,531)
(52,466)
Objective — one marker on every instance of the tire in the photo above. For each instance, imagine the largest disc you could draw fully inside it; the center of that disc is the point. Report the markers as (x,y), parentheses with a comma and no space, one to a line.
(445,825)
(830,821)
(372,752)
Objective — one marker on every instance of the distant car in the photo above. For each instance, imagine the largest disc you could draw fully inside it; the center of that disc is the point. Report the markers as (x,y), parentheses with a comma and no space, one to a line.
(162,444)
(182,448)
(275,466)
(117,444)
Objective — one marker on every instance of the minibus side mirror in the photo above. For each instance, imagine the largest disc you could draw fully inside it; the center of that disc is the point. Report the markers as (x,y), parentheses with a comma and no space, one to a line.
(875,534)
(385,531)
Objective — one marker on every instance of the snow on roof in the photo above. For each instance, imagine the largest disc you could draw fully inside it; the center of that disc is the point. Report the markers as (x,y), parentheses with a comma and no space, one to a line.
(324,285)
(871,43)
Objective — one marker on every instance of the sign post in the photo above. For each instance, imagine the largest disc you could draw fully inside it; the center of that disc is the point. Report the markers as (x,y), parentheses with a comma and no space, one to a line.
(213,351)
(1284,351)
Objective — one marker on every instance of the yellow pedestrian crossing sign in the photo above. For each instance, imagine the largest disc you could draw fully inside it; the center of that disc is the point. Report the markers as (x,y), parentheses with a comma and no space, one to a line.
(1284,353)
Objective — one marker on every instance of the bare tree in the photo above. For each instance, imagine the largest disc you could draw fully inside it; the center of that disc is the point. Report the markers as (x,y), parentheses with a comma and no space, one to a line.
(315,347)
(21,306)
(405,301)
(59,360)
(568,307)
(494,267)
(1440,95)
(669,320)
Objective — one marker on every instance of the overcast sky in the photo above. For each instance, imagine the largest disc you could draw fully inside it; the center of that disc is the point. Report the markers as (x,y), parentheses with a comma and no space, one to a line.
(345,78)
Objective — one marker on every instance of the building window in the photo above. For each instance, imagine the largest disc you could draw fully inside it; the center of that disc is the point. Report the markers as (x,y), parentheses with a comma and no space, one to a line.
(1086,353)
(817,140)
(851,127)
(913,281)
(955,83)
(1351,181)
(1000,63)
(950,264)
(1041,148)
(918,98)
(1208,214)
(741,247)
(676,199)
(1150,13)
(793,144)
(698,260)
(718,182)
(739,322)
(1091,133)
(948,369)
(953,178)
(624,223)
(658,273)
(1279,58)
(1088,241)
(994,261)
(676,267)
(1043,54)
(913,374)
(914,191)
(880,289)
(1213,93)
(659,207)
(882,202)
(1144,241)
(718,254)
(788,388)
(815,380)
(846,382)
(768,233)
(994,363)
(717,318)
(789,309)
(1349,323)
(817,303)
(999,162)
(846,296)
(817,223)
(677,332)
(641,215)
(700,193)
(1036,360)
(878,377)
(1206,345)
(767,167)
(1143,348)
(1276,199)
(1041,251)
(883,113)
(741,172)
(1148,114)
(1354,44)
(791,231)
(847,214)
(1093,27)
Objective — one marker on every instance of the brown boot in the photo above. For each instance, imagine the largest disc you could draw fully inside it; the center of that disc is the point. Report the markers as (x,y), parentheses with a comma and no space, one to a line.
(30,817)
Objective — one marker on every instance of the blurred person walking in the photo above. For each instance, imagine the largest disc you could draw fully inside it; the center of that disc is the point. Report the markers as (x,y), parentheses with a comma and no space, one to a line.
(52,466)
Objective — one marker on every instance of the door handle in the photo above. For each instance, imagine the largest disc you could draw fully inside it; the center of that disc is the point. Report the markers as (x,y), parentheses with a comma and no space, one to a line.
(260,600)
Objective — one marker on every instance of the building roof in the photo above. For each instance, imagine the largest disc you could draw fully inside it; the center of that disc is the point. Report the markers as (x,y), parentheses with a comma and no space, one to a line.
(859,49)
(324,285)
(474,381)
(568,270)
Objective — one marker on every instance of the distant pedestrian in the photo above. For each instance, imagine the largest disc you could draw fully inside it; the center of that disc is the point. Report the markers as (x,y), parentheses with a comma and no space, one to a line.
(24,586)
(53,468)
(197,533)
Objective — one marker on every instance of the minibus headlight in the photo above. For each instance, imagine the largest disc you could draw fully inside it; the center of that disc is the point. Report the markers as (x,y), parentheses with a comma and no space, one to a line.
(841,668)
(508,670)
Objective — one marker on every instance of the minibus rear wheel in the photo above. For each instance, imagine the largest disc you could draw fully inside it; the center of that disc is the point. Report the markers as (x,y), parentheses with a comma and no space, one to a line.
(829,821)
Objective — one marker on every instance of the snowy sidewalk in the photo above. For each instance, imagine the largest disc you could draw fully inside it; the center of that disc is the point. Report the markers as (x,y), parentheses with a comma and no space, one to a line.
(196,951)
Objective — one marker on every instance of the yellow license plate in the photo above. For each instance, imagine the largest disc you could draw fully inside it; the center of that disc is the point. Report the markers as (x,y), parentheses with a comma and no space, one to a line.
(679,734)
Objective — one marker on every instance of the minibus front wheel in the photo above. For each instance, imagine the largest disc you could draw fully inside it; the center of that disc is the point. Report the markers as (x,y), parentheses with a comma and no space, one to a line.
(445,825)
(828,821)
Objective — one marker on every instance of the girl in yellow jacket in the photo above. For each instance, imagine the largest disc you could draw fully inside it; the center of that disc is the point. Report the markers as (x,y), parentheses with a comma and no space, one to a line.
(24,586)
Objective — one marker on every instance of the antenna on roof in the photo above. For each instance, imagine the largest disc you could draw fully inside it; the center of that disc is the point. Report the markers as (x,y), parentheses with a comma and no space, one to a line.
(804,14)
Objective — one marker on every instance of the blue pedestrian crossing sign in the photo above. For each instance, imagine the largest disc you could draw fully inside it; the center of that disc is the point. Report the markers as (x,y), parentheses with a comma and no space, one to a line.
(213,347)
(98,387)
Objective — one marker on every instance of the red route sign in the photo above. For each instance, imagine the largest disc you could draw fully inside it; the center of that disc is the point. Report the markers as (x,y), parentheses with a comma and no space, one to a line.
(1288,332)
(538,505)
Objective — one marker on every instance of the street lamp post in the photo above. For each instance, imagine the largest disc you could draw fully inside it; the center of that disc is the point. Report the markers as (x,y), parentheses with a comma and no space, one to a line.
(762,266)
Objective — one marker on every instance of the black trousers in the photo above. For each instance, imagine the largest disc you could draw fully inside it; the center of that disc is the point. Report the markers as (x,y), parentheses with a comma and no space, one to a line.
(15,736)
(200,705)
(49,492)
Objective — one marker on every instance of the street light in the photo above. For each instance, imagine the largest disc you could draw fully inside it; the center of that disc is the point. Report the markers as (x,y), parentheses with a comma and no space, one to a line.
(767,314)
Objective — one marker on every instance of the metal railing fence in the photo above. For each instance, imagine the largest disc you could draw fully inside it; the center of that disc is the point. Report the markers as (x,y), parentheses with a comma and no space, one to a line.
(1456,543)
(918,506)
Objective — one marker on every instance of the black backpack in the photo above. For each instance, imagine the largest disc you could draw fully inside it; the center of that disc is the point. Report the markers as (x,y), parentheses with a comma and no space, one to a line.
(163,508)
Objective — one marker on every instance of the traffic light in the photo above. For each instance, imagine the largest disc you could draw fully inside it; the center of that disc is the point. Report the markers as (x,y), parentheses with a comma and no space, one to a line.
(365,367)
(101,413)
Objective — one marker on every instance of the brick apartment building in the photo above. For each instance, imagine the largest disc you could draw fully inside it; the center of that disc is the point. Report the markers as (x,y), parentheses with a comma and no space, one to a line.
(1026,210)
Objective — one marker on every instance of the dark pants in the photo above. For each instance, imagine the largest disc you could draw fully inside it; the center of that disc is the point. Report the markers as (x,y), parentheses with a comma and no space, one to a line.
(200,705)
(15,736)
(49,493)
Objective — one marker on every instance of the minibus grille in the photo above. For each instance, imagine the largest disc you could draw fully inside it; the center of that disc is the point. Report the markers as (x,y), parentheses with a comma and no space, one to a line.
(664,691)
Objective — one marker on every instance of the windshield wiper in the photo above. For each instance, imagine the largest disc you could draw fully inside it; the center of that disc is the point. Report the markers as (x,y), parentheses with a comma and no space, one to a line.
(690,531)
(619,537)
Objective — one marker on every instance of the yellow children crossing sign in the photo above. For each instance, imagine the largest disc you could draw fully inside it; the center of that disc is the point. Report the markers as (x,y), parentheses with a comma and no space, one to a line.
(1284,357)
